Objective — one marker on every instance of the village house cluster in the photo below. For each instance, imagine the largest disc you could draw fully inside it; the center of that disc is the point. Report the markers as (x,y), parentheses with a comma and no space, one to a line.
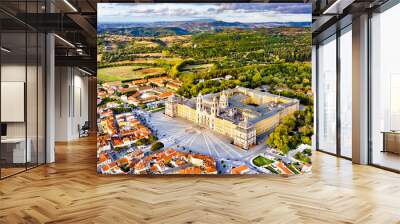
(149,93)
(118,151)
(171,161)
(117,136)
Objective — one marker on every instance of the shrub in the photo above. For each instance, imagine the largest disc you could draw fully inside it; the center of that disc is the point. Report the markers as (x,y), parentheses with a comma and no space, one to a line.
(307,152)
(302,157)
(152,138)
(142,141)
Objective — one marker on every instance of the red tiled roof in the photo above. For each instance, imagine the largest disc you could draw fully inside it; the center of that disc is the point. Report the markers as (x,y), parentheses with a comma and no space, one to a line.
(140,81)
(239,169)
(191,170)
(172,85)
(123,160)
(283,168)
(165,95)
(103,157)
(105,167)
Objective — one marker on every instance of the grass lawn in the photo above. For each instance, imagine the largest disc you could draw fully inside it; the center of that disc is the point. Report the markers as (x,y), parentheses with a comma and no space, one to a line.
(262,161)
(121,73)
(196,67)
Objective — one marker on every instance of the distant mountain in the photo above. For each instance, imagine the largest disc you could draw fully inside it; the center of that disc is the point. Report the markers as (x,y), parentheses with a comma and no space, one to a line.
(200,25)
(186,27)
(281,24)
(146,31)
(157,31)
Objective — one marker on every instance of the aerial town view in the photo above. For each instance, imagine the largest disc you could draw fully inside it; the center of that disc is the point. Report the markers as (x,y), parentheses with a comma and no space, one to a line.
(204,89)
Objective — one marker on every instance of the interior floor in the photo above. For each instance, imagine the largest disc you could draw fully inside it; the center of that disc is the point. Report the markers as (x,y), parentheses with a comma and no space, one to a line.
(70,191)
(5,172)
(386,159)
(12,169)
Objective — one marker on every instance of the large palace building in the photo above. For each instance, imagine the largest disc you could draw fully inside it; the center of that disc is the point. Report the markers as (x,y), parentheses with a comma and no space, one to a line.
(242,114)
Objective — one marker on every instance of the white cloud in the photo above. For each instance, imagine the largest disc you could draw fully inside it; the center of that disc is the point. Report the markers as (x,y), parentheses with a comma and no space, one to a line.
(247,12)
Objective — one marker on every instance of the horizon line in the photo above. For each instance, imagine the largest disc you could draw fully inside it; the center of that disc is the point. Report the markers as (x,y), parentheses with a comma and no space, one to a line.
(172,21)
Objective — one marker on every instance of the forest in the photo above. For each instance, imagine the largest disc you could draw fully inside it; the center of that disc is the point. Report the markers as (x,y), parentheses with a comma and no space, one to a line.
(294,130)
(286,79)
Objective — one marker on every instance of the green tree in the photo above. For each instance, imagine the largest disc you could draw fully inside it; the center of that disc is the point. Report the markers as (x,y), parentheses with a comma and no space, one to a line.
(257,79)
(279,139)
(156,146)
(142,141)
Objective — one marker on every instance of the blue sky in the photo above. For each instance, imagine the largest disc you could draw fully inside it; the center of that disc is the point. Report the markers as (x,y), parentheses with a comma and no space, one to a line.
(228,12)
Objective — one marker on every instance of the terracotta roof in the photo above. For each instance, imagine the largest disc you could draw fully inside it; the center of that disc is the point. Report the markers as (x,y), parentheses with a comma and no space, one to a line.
(140,81)
(165,95)
(191,170)
(172,85)
(103,157)
(123,160)
(283,168)
(105,168)
(128,89)
(240,169)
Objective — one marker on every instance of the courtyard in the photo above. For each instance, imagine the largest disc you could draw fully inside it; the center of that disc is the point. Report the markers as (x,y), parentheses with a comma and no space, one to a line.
(186,136)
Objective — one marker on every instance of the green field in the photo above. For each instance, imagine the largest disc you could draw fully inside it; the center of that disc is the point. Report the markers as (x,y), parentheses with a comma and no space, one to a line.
(121,73)
(196,67)
(262,161)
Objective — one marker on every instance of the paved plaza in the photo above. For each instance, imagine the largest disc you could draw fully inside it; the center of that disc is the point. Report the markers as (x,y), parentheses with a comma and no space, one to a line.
(185,135)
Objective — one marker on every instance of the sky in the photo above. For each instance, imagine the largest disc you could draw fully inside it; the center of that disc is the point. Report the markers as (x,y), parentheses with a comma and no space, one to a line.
(228,12)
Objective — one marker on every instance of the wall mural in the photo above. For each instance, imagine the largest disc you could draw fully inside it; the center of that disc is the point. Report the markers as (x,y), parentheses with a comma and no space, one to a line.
(204,88)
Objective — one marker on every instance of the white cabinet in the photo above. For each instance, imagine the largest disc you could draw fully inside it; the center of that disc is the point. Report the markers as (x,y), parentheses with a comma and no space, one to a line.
(17,146)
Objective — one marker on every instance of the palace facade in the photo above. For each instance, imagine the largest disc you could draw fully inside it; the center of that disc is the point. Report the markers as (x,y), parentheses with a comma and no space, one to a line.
(240,113)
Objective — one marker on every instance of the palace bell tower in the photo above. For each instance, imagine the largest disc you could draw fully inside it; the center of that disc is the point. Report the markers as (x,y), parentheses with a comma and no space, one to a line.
(223,100)
(171,107)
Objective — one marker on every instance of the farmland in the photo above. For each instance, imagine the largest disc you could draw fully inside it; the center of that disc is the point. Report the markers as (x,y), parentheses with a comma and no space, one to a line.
(121,73)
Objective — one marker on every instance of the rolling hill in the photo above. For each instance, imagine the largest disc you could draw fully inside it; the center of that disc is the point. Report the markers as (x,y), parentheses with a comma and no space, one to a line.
(185,27)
